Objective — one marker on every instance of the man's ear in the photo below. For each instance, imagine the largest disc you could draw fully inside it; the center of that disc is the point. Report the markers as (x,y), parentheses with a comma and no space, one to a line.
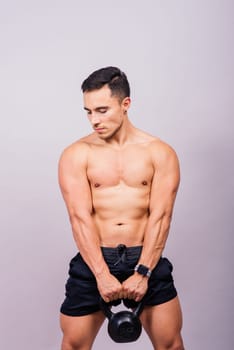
(126,103)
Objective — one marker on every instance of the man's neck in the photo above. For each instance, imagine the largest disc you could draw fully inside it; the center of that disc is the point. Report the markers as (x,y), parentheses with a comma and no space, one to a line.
(123,136)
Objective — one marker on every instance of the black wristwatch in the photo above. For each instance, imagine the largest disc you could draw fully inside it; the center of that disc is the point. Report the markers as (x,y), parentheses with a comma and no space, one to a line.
(143,270)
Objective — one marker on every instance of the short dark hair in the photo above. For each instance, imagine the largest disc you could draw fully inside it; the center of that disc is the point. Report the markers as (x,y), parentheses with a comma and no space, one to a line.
(113,77)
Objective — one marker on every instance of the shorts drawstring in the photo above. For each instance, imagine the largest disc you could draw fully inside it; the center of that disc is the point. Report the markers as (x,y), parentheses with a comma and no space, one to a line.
(122,254)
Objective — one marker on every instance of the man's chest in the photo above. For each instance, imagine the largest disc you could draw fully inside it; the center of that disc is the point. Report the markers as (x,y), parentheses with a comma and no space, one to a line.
(108,167)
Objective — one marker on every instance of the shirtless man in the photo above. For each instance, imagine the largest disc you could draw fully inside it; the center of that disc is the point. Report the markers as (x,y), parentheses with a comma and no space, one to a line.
(119,185)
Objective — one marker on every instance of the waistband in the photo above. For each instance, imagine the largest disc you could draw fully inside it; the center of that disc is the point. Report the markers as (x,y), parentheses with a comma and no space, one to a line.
(121,252)
(120,248)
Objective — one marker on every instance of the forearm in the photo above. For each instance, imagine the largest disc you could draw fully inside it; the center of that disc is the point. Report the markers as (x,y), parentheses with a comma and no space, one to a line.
(87,240)
(155,238)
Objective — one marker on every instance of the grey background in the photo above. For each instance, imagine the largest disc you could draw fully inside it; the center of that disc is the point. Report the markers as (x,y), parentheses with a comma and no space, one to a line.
(179,58)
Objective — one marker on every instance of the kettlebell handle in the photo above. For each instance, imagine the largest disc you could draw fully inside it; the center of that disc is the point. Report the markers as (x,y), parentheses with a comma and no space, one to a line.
(108,313)
(137,311)
(106,308)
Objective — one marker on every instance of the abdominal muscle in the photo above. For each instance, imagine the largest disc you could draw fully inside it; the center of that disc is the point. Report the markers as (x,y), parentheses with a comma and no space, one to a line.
(128,232)
(121,216)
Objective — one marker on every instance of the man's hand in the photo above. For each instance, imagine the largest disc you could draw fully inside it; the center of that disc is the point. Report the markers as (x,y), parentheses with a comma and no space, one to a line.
(135,287)
(109,288)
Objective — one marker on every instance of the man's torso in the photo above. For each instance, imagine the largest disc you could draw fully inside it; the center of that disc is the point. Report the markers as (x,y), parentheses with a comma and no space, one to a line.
(120,181)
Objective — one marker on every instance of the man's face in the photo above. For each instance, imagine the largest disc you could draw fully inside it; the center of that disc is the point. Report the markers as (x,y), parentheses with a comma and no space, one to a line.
(105,112)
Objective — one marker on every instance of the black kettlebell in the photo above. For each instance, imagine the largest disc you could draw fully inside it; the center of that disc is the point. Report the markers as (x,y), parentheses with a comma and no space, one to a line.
(123,326)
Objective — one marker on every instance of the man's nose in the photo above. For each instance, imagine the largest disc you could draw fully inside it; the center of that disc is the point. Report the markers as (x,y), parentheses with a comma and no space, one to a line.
(94,119)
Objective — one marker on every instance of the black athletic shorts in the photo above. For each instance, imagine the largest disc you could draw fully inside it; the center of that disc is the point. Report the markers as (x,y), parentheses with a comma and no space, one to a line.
(82,295)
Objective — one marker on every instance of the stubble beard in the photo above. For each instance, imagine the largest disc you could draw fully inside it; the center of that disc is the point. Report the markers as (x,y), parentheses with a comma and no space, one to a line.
(109,137)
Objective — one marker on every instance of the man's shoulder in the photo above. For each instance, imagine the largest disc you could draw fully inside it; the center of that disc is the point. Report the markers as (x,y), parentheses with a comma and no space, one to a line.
(156,144)
(81,145)
(77,150)
(160,149)
(74,148)
(159,145)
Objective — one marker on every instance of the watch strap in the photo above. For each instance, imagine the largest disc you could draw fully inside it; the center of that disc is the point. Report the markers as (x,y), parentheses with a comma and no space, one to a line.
(143,270)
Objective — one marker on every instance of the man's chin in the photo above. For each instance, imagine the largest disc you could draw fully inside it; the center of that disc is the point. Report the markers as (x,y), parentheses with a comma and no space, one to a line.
(103,137)
(107,135)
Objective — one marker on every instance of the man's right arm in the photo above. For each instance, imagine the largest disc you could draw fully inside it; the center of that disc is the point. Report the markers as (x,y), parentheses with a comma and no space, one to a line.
(76,192)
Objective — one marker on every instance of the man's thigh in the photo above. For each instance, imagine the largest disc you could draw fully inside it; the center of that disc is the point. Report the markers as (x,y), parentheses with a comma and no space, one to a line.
(163,324)
(80,331)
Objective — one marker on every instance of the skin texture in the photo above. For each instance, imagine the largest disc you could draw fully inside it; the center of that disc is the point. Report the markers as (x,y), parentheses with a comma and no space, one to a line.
(139,175)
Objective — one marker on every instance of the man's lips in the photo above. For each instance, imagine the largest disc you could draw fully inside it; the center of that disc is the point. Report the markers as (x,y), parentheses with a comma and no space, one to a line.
(99,129)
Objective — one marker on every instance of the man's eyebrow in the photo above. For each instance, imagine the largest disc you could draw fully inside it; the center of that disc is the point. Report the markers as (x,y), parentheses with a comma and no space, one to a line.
(97,108)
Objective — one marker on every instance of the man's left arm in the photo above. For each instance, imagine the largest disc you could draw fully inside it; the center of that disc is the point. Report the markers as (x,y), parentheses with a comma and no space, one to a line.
(164,187)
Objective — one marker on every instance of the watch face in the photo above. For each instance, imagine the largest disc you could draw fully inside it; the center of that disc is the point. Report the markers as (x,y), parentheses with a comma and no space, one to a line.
(143,270)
